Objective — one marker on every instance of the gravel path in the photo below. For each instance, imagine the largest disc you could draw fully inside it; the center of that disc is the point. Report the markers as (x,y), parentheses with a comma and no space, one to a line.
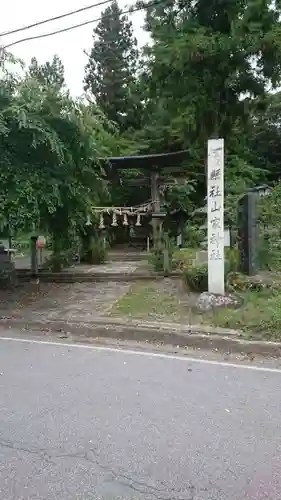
(68,301)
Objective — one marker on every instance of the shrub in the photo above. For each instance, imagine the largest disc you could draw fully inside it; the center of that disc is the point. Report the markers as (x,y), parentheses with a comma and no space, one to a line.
(157,259)
(193,236)
(97,251)
(196,278)
(57,261)
(183,258)
(157,254)
(8,276)
(269,245)
(269,250)
(238,282)
(232,256)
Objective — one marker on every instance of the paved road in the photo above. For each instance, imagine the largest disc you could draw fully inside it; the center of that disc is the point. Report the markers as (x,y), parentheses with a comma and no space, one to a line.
(82,424)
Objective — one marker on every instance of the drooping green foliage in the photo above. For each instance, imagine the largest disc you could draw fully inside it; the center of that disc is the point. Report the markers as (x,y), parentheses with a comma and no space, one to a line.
(50,146)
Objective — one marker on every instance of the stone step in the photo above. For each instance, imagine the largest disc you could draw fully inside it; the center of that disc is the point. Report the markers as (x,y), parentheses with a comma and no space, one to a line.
(68,277)
(127,256)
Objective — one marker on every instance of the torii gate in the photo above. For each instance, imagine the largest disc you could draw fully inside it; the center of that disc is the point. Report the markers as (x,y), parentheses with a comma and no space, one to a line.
(153,164)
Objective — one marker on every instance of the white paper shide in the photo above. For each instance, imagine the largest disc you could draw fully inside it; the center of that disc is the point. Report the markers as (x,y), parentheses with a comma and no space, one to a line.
(215,195)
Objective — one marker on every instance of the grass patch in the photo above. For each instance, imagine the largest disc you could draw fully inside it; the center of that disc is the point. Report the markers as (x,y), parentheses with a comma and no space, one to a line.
(153,300)
(259,315)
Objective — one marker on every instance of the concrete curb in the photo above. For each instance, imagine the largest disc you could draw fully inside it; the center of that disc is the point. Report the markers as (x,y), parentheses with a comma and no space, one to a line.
(194,336)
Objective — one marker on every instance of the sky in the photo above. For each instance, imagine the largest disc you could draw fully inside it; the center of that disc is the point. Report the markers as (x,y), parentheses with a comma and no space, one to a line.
(68,46)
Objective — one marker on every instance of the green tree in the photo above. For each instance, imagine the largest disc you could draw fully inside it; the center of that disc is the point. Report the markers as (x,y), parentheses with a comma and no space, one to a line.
(206,56)
(50,146)
(49,73)
(110,75)
(208,60)
(264,135)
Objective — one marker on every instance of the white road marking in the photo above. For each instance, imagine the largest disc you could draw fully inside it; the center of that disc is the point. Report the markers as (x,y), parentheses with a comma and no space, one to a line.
(145,353)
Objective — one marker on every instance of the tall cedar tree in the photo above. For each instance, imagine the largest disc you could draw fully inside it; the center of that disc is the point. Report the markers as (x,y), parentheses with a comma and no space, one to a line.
(110,75)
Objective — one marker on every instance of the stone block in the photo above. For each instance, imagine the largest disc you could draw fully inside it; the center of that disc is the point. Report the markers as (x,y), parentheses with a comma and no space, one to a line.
(201,257)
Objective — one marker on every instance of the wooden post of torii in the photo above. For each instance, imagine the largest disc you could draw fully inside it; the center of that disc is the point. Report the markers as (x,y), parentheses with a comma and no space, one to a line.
(155,197)
(157,220)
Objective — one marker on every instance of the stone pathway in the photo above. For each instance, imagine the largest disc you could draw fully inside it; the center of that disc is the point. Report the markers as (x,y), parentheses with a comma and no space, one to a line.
(81,302)
(117,267)
(68,301)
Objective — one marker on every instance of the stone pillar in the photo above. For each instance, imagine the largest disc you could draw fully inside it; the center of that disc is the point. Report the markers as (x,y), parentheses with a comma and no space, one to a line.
(247,233)
(215,216)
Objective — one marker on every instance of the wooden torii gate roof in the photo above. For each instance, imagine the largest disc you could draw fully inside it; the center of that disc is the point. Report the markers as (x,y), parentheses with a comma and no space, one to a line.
(148,162)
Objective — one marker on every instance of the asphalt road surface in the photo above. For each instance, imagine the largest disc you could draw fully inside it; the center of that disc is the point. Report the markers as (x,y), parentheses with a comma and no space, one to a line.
(81,424)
